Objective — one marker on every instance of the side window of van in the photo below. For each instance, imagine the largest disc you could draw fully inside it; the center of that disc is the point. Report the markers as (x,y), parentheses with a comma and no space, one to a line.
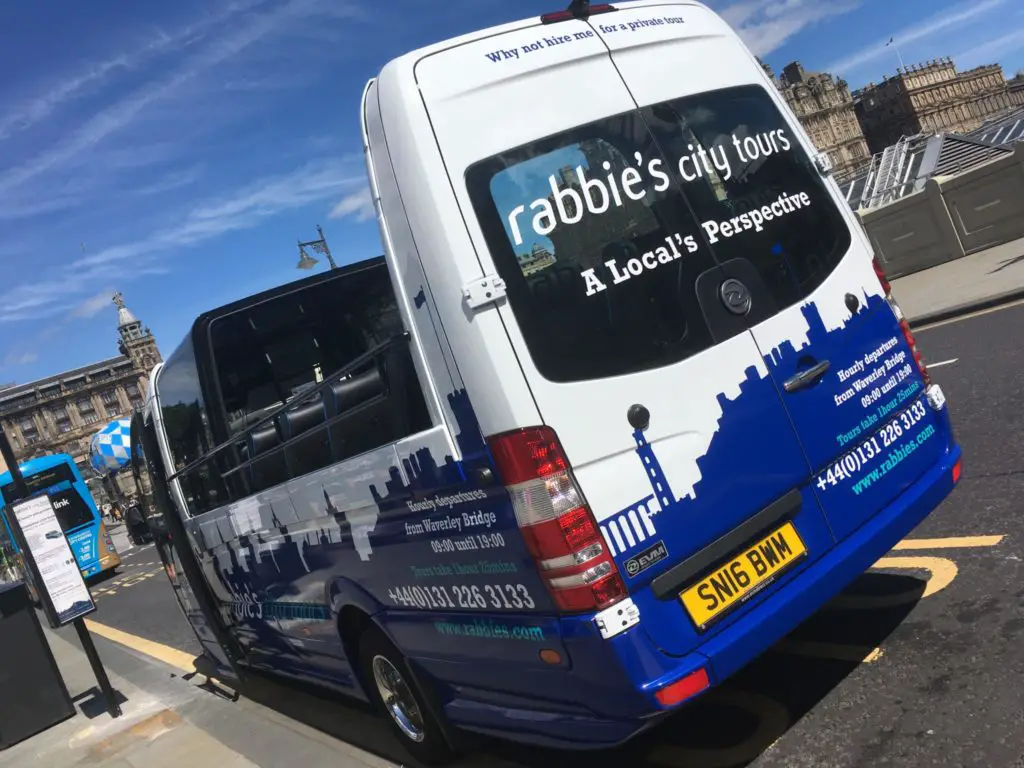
(188,433)
(277,351)
(753,188)
(598,251)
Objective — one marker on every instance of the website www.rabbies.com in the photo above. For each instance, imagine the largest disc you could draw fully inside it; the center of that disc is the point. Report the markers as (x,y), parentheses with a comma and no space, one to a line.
(489,629)
(894,460)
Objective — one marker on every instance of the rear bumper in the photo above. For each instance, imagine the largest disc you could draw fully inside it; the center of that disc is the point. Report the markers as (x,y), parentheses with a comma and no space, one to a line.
(649,669)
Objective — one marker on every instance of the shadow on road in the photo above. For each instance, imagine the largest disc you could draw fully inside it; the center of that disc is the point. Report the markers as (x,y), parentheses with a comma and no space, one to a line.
(729,727)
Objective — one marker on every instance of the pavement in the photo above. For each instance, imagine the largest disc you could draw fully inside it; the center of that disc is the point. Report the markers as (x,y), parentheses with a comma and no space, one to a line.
(174,717)
(918,663)
(979,281)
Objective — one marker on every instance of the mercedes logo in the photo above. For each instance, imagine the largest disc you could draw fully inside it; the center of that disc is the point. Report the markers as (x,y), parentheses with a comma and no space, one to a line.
(735,296)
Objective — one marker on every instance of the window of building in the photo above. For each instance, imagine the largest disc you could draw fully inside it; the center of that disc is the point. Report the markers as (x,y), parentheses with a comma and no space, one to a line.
(87,410)
(109,397)
(61,418)
(134,394)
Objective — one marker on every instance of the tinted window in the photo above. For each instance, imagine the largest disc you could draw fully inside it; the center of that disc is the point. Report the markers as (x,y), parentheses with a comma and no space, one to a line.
(598,251)
(757,194)
(267,354)
(601,232)
(188,432)
(60,475)
(70,508)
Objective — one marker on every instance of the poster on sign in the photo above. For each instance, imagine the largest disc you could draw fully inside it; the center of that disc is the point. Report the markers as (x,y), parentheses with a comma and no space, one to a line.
(59,580)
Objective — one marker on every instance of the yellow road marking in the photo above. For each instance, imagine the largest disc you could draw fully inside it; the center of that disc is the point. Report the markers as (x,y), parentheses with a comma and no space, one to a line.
(836,651)
(170,656)
(951,542)
(943,570)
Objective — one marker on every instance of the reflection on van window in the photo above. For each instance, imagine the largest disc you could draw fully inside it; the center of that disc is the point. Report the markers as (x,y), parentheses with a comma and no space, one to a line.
(188,430)
(756,193)
(597,249)
(600,232)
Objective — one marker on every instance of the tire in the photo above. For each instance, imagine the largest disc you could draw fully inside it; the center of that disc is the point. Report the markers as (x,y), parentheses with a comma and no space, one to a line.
(408,714)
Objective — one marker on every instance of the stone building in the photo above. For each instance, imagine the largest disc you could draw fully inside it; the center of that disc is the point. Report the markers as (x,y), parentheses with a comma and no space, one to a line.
(933,98)
(1016,84)
(60,414)
(825,108)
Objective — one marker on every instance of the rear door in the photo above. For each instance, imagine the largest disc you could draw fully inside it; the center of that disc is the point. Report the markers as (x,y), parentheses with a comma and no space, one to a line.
(830,339)
(615,310)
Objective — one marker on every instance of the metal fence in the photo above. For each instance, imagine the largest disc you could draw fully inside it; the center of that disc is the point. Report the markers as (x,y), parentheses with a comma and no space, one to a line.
(905,167)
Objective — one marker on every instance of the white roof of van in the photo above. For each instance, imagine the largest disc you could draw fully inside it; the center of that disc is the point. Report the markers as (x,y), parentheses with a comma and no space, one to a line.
(404,65)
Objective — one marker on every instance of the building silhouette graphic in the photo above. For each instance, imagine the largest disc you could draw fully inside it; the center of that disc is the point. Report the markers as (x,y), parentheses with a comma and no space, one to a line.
(731,445)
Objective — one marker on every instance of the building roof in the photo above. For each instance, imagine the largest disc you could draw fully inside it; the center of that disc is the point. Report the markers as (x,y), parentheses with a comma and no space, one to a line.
(21,389)
(1006,130)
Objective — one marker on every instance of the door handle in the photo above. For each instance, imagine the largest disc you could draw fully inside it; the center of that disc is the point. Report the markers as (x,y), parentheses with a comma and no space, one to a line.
(806,378)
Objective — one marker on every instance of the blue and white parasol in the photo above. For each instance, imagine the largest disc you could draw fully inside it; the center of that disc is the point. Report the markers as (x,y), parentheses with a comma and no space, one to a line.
(110,449)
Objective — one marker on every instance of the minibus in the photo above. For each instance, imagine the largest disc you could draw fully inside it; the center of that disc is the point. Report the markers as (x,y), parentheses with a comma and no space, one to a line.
(626,399)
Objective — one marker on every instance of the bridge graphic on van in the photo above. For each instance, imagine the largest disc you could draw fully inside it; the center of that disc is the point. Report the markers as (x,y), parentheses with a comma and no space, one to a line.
(731,444)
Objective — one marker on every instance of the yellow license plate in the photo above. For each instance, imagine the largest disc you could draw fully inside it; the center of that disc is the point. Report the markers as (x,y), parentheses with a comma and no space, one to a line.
(733,582)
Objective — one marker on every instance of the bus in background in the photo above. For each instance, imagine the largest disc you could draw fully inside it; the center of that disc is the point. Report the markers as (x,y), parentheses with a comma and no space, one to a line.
(77,513)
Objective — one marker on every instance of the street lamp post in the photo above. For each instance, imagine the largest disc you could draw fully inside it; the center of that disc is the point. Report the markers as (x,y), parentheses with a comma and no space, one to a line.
(318,246)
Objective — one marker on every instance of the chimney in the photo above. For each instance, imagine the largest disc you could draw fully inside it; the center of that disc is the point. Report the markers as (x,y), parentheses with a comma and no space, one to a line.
(793,72)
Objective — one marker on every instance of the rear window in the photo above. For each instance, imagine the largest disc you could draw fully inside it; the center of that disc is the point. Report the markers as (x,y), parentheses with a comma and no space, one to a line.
(601,232)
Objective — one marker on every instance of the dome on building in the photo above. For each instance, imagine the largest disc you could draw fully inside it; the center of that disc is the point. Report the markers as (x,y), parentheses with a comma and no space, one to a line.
(124,315)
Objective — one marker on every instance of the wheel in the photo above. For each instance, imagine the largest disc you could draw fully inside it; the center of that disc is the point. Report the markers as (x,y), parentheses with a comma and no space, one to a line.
(392,688)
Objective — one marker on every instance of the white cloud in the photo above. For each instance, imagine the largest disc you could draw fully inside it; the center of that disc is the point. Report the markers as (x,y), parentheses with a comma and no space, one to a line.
(241,209)
(990,50)
(951,17)
(60,291)
(248,30)
(358,205)
(93,305)
(766,26)
(23,116)
(20,358)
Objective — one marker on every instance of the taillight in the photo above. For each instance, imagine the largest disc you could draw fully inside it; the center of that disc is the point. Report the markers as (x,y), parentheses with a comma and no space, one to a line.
(578,10)
(880,273)
(556,522)
(681,690)
(904,325)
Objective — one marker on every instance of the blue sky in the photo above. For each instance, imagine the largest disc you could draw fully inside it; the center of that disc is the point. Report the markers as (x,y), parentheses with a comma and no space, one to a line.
(177,151)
